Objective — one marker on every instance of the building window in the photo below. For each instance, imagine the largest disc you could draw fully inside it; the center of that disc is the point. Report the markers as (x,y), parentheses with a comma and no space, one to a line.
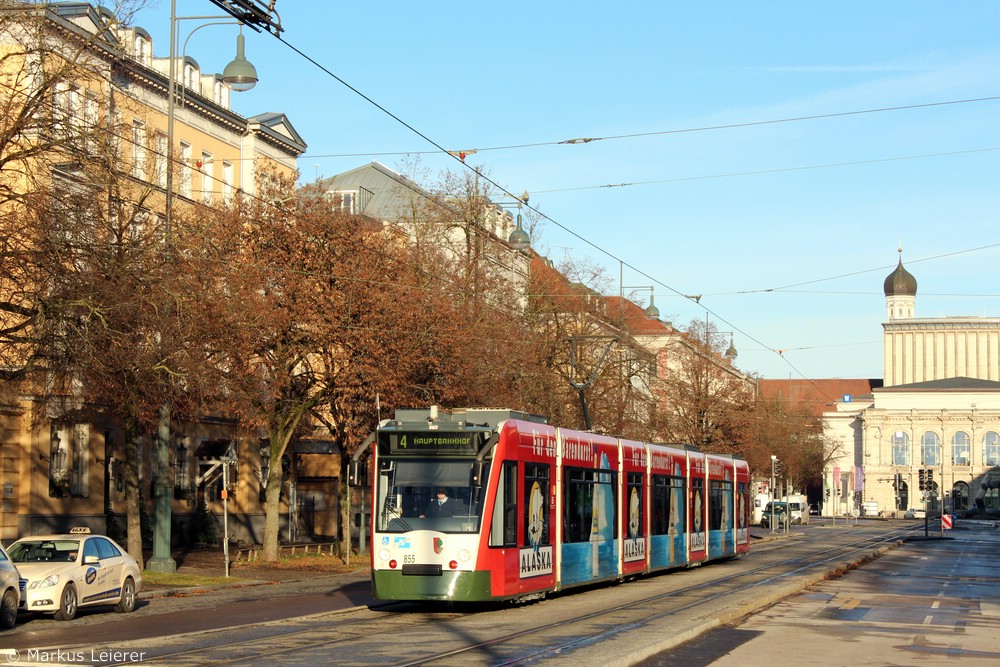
(930,448)
(900,449)
(961,449)
(69,459)
(182,478)
(343,200)
(90,116)
(207,167)
(191,78)
(139,149)
(221,94)
(143,50)
(160,161)
(74,107)
(185,168)
(227,182)
(991,449)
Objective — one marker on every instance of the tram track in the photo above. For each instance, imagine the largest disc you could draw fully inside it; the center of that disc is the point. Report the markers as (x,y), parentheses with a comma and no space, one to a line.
(408,635)
(554,650)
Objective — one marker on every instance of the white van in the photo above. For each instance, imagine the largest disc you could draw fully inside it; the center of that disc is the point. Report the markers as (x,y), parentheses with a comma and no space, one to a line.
(798,508)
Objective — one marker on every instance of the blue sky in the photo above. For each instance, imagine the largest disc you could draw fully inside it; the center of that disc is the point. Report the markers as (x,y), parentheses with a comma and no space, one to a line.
(785,228)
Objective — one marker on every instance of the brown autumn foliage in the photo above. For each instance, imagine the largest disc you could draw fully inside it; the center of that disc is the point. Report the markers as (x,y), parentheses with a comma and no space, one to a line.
(317,313)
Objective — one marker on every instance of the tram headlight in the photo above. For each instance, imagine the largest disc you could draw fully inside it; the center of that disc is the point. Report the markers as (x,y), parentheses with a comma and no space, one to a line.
(383,554)
(464,555)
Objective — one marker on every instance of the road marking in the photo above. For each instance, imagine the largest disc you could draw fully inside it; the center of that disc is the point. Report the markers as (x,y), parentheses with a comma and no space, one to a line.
(927,620)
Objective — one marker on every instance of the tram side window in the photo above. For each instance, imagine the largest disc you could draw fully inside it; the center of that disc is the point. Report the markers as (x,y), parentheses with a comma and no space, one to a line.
(536,504)
(586,490)
(636,522)
(661,505)
(720,498)
(742,506)
(667,505)
(504,529)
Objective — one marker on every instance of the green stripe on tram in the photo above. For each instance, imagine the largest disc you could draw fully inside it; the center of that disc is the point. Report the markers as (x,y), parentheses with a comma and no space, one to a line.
(392,585)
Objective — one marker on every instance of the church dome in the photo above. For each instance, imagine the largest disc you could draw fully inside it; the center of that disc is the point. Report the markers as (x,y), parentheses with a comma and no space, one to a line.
(900,282)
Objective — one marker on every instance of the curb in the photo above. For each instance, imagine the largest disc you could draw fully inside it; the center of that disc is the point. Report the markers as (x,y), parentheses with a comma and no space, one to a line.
(188,591)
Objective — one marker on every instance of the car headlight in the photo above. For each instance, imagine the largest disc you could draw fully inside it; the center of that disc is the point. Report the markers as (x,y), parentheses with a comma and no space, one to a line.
(50,580)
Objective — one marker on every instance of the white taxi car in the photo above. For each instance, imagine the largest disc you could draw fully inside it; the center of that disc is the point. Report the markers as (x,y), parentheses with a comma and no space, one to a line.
(62,573)
(9,591)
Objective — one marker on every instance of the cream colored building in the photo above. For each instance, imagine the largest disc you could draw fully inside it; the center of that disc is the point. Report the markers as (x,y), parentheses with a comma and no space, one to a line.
(56,474)
(938,412)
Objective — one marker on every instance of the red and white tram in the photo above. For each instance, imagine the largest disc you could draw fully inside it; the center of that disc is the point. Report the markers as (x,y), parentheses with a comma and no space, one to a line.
(488,504)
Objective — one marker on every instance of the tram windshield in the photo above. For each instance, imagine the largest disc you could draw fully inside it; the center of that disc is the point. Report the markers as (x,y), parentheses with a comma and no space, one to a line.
(426,494)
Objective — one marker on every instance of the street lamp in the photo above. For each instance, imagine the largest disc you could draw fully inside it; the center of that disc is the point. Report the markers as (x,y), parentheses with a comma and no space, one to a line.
(652,312)
(519,239)
(240,75)
(731,352)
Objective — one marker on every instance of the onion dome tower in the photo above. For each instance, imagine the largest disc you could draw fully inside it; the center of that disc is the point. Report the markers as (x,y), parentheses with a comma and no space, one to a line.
(900,292)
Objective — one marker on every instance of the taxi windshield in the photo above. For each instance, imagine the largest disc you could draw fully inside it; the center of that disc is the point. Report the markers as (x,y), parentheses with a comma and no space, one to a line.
(44,551)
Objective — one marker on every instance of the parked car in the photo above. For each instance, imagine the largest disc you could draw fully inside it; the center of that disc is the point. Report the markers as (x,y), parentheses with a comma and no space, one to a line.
(915,514)
(10,591)
(814,509)
(62,573)
(775,512)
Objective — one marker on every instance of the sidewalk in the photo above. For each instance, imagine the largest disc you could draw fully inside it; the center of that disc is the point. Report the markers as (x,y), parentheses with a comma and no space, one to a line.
(209,563)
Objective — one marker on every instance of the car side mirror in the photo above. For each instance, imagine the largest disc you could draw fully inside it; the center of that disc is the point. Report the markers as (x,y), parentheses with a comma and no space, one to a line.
(91,560)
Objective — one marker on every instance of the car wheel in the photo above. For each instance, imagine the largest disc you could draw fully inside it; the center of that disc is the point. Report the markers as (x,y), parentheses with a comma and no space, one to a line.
(8,609)
(67,604)
(127,603)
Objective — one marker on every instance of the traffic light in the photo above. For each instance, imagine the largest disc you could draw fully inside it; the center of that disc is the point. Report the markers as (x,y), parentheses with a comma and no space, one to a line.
(930,479)
(777,466)
(922,479)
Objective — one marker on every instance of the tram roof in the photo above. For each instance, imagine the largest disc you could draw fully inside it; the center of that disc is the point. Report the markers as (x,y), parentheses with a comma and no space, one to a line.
(466,417)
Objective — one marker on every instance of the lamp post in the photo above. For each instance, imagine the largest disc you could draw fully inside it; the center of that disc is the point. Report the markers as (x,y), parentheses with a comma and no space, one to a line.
(519,239)
(774,496)
(651,311)
(240,75)
(731,352)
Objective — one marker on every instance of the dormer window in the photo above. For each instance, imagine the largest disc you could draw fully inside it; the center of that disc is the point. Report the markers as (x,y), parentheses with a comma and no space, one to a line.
(221,94)
(191,77)
(343,200)
(143,50)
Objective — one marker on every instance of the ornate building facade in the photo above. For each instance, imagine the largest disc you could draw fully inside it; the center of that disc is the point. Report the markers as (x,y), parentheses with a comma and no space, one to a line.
(111,94)
(931,435)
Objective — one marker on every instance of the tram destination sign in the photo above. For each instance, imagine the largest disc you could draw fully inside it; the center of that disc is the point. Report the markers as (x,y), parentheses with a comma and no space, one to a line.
(423,442)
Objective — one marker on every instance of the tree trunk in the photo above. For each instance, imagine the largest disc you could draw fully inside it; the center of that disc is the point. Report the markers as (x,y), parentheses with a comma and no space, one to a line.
(272,508)
(133,494)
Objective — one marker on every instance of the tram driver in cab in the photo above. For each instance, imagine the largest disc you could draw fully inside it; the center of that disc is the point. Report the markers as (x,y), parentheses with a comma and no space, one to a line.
(441,505)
